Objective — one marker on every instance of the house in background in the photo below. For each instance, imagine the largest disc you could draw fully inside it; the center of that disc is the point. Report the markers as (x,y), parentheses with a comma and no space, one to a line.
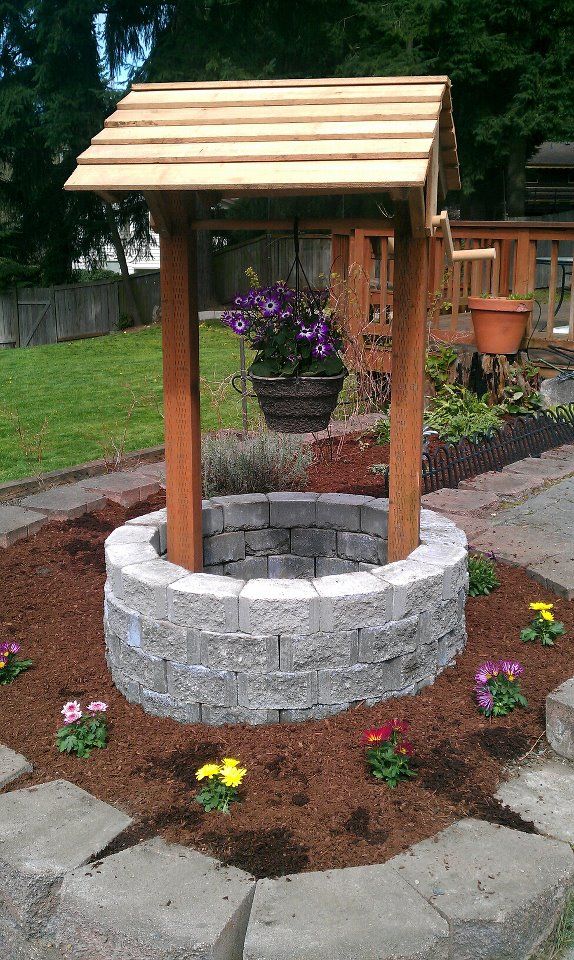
(550,181)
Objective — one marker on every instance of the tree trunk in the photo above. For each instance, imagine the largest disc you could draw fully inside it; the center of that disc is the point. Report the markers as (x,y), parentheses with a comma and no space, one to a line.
(132,296)
(516,179)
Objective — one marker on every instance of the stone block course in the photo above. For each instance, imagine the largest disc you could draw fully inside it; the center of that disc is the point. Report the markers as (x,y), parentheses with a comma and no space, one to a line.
(360,547)
(212,518)
(252,568)
(353,601)
(390,640)
(313,650)
(239,651)
(205,601)
(223,548)
(286,567)
(560,719)
(334,566)
(360,682)
(162,705)
(276,606)
(120,555)
(266,541)
(452,560)
(198,684)
(163,639)
(292,509)
(218,716)
(415,586)
(313,542)
(121,620)
(246,511)
(157,519)
(277,691)
(340,511)
(144,668)
(144,586)
(375,517)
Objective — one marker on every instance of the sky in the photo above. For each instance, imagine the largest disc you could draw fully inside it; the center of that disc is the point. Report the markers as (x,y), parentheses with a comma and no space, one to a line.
(121,76)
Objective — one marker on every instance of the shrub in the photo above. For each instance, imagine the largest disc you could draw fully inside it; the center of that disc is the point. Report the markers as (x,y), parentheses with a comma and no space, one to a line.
(497,687)
(544,627)
(259,463)
(482,578)
(388,752)
(456,412)
(438,365)
(82,732)
(382,430)
(222,781)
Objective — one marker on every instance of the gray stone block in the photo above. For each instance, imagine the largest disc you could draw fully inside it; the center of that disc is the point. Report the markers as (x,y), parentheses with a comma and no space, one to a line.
(122,621)
(372,681)
(435,528)
(442,619)
(353,601)
(163,639)
(212,518)
(318,712)
(450,645)
(287,567)
(206,601)
(360,913)
(239,651)
(130,688)
(334,566)
(278,606)
(196,684)
(12,765)
(420,665)
(557,390)
(154,901)
(500,890)
(144,586)
(452,560)
(277,691)
(361,547)
(560,719)
(45,831)
(390,640)
(145,669)
(223,548)
(543,793)
(218,716)
(314,650)
(340,511)
(215,569)
(119,555)
(64,502)
(375,518)
(16,523)
(157,519)
(162,705)
(292,509)
(313,542)
(269,540)
(416,586)
(245,511)
(252,568)
(130,533)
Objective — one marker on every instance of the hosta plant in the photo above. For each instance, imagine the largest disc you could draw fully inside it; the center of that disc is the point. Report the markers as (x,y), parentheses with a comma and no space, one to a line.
(10,663)
(544,627)
(82,732)
(388,752)
(497,687)
(482,578)
(221,786)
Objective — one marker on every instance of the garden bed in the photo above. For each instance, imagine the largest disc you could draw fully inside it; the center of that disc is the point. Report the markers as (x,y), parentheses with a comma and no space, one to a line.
(308,802)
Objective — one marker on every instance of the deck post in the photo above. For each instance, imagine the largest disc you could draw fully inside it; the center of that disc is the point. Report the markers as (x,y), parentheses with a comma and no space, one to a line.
(180,336)
(407,385)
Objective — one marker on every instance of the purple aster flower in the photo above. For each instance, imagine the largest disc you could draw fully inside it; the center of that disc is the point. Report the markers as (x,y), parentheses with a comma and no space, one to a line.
(511,669)
(321,330)
(322,349)
(484,698)
(305,332)
(240,325)
(487,671)
(14,648)
(270,307)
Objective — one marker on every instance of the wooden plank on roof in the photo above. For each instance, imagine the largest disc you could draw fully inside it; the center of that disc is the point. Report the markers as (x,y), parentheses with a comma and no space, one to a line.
(245,152)
(284,114)
(310,82)
(256,177)
(282,96)
(238,133)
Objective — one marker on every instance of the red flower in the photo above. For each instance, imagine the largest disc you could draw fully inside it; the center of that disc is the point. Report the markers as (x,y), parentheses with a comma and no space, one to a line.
(400,726)
(377,734)
(406,747)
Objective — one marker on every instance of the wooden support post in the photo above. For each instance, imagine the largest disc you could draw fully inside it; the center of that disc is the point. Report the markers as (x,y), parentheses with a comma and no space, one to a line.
(407,385)
(180,332)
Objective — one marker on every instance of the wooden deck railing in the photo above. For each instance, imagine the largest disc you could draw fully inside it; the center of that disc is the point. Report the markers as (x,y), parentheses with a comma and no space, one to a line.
(531,257)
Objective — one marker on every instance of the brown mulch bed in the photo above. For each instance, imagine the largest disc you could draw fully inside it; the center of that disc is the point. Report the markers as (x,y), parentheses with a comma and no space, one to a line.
(308,802)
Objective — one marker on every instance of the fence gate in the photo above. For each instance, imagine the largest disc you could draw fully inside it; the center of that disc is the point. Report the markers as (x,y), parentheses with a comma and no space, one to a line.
(36,316)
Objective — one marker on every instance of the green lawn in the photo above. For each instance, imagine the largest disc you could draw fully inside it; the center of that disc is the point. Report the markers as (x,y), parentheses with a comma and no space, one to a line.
(79,395)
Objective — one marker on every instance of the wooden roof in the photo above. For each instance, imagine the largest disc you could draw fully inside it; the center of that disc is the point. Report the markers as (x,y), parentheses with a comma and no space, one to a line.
(287,136)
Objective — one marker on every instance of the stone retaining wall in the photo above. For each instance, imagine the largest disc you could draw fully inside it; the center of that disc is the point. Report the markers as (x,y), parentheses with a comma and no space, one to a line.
(296,615)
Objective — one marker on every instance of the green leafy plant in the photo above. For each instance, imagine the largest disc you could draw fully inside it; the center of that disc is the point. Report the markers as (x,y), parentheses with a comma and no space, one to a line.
(388,753)
(222,781)
(438,365)
(379,469)
(497,687)
(82,732)
(259,463)
(456,412)
(544,627)
(382,430)
(482,578)
(519,401)
(10,664)
(521,296)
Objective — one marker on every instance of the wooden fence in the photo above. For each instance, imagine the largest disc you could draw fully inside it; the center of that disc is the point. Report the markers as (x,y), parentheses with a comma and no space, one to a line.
(271,257)
(30,316)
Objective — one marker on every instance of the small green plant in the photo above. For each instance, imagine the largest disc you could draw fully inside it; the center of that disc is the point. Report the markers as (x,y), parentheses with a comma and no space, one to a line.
(82,732)
(456,412)
(10,664)
(125,321)
(521,296)
(482,578)
(222,781)
(438,365)
(382,430)
(544,627)
(388,752)
(379,469)
(497,687)
(519,401)
(259,463)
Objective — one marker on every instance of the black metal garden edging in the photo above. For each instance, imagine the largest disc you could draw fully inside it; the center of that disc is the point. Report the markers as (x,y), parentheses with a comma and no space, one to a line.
(528,435)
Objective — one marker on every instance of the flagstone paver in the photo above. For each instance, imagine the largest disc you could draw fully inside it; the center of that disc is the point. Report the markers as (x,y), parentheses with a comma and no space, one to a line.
(506,484)
(17,523)
(543,470)
(470,503)
(65,502)
(124,487)
(12,765)
(154,901)
(560,719)
(544,794)
(500,890)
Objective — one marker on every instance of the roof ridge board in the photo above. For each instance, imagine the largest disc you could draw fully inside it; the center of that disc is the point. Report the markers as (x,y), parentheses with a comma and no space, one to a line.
(296,97)
(298,82)
(145,116)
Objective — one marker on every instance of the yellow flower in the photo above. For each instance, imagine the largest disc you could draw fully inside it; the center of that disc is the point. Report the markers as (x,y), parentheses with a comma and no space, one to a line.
(546,615)
(230,762)
(2,664)
(208,770)
(232,776)
(541,606)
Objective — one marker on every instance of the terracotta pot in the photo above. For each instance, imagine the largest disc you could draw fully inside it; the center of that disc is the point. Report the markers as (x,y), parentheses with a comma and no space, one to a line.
(297,404)
(499,323)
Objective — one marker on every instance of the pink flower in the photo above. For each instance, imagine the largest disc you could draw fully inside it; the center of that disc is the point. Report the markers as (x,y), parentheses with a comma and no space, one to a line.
(71,711)
(487,671)
(484,698)
(97,706)
(511,669)
(14,648)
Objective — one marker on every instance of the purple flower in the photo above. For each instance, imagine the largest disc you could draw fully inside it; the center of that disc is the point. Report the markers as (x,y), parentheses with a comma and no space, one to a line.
(511,669)
(487,671)
(321,330)
(322,349)
(270,307)
(14,648)
(305,332)
(484,698)
(240,325)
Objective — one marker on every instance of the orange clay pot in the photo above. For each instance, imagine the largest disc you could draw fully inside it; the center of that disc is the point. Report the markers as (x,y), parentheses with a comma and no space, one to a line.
(499,323)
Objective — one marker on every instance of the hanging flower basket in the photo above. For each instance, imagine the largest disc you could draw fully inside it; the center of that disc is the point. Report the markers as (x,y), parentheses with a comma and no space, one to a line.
(297,404)
(499,323)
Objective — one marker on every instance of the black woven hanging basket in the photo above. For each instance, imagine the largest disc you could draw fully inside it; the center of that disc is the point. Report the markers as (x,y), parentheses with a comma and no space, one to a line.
(297,404)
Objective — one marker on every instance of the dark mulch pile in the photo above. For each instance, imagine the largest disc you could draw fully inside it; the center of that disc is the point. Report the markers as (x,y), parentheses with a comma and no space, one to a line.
(308,802)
